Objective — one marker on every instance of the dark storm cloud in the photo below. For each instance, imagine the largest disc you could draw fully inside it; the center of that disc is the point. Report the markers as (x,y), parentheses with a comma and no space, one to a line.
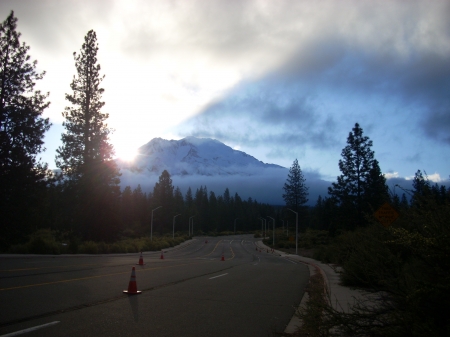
(286,114)
(290,98)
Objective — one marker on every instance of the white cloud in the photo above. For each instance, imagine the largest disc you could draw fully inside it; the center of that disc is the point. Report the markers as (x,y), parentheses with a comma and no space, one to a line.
(391,175)
(436,178)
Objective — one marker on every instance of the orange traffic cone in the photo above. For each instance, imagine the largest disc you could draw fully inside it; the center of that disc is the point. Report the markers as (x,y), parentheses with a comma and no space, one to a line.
(141,260)
(223,258)
(267,249)
(132,287)
(162,255)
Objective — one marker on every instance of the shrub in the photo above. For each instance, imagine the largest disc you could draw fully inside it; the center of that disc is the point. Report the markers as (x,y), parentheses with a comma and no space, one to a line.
(89,247)
(43,241)
(406,267)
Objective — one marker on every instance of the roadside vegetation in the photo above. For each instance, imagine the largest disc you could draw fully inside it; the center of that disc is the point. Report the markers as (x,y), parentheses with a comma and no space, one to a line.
(402,266)
(403,269)
(46,241)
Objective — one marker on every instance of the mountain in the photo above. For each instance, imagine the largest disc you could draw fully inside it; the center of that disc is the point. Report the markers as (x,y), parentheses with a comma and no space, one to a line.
(195,162)
(194,156)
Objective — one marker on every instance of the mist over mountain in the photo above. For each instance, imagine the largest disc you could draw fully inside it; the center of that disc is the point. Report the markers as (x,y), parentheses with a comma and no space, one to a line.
(194,162)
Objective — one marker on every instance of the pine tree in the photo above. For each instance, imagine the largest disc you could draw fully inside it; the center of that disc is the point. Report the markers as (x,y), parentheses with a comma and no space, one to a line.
(376,192)
(189,199)
(86,156)
(361,185)
(295,190)
(163,194)
(22,131)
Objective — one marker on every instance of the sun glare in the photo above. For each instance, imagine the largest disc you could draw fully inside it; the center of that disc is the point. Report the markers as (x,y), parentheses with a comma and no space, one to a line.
(126,154)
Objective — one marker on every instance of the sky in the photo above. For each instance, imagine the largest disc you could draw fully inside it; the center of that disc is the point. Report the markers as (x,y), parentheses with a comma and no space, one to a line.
(280,80)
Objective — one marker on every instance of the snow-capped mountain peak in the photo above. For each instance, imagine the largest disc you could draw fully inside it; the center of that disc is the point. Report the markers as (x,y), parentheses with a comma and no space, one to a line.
(194,156)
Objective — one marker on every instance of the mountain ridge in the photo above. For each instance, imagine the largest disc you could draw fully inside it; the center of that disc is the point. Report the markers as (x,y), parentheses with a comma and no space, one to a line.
(194,156)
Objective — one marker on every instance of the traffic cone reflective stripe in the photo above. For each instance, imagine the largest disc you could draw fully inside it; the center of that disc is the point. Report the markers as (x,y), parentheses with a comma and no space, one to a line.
(141,260)
(132,287)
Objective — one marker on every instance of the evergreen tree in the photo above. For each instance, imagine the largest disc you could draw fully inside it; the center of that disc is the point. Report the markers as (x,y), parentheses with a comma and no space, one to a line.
(295,190)
(178,200)
(127,209)
(163,193)
(421,186)
(188,198)
(86,156)
(404,204)
(22,128)
(140,209)
(361,186)
(376,192)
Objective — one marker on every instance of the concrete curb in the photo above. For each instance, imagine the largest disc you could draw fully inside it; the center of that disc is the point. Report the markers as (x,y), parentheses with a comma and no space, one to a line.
(340,298)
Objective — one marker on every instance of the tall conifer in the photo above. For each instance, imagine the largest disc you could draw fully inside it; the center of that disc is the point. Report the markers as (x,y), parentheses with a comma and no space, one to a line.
(295,190)
(361,187)
(86,156)
(22,131)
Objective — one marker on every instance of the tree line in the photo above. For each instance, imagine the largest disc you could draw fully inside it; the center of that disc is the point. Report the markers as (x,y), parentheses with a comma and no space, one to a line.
(196,212)
(358,192)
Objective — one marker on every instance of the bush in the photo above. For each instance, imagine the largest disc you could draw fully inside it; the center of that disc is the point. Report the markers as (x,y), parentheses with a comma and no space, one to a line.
(406,266)
(42,241)
(89,247)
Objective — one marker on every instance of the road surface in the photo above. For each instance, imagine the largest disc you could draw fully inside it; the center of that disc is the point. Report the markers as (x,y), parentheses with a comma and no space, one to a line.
(191,292)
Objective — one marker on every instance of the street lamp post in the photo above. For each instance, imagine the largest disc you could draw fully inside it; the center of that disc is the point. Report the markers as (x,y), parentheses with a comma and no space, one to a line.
(151,224)
(262,225)
(235,226)
(296,231)
(273,239)
(265,227)
(192,225)
(173,232)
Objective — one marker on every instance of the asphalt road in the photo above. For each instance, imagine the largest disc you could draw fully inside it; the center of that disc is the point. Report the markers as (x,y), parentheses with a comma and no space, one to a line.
(191,292)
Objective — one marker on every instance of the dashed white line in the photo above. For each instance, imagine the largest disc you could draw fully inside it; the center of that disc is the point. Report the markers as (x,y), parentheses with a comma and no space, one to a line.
(30,329)
(212,277)
(285,260)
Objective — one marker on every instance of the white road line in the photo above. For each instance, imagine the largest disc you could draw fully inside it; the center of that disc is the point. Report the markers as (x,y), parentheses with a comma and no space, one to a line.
(284,259)
(29,329)
(209,278)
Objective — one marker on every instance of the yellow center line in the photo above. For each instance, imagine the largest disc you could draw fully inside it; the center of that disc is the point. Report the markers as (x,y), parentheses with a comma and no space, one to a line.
(38,268)
(232,253)
(213,249)
(97,276)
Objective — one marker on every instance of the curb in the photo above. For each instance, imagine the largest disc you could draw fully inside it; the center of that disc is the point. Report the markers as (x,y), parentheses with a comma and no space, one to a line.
(295,321)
